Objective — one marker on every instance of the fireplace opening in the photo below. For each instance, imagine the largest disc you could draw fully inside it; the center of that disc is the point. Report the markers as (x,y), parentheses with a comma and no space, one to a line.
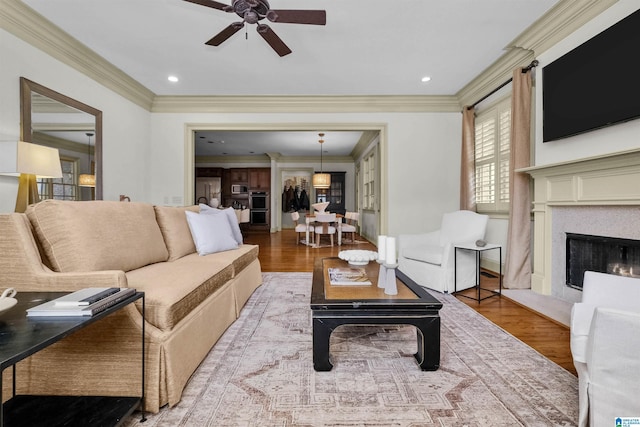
(611,255)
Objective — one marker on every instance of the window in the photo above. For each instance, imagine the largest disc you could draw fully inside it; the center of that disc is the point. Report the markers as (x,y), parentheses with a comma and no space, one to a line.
(492,157)
(369,181)
(64,188)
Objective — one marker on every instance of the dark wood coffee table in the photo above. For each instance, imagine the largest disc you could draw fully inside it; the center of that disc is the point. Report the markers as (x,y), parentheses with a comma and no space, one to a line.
(333,306)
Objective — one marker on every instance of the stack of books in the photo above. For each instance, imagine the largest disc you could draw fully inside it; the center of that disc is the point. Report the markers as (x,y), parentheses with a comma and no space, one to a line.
(348,277)
(85,302)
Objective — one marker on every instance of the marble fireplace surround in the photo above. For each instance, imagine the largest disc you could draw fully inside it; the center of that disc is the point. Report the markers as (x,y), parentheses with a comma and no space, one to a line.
(596,195)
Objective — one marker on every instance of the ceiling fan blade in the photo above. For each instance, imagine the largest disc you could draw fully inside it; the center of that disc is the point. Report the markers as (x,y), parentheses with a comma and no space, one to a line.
(225,34)
(274,41)
(313,17)
(211,3)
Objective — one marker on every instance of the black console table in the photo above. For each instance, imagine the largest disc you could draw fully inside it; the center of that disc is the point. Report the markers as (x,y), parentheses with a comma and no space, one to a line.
(22,336)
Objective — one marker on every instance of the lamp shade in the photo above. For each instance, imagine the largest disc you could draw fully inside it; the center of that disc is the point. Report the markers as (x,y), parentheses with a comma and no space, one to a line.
(321,180)
(87,180)
(31,159)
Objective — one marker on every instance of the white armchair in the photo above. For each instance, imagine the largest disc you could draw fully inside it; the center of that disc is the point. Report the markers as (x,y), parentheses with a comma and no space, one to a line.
(605,344)
(428,258)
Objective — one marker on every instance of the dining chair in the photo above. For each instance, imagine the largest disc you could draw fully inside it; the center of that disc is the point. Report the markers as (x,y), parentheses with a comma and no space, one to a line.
(325,227)
(349,224)
(300,228)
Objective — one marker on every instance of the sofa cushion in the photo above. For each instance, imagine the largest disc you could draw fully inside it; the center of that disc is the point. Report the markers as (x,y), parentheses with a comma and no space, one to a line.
(425,253)
(174,289)
(97,235)
(232,216)
(175,230)
(240,258)
(211,233)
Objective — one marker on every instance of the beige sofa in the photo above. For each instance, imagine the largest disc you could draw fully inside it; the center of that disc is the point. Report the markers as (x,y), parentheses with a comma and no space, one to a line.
(190,299)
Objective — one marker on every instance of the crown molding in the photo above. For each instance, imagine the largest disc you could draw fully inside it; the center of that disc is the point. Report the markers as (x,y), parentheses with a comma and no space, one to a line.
(564,18)
(560,21)
(25,23)
(62,144)
(64,127)
(304,104)
(491,78)
(262,159)
(366,139)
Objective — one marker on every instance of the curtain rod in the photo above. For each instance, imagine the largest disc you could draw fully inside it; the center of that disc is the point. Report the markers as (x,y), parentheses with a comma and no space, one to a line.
(526,69)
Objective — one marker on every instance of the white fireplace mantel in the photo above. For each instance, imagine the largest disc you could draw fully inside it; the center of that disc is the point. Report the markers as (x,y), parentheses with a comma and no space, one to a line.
(607,180)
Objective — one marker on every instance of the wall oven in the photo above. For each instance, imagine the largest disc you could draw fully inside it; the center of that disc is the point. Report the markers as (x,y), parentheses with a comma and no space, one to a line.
(258,217)
(258,200)
(259,205)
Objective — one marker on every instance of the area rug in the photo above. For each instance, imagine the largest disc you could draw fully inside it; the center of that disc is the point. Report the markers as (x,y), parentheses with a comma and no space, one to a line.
(261,373)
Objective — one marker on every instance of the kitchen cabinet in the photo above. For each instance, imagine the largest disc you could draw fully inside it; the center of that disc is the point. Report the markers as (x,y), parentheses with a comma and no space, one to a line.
(239,175)
(260,179)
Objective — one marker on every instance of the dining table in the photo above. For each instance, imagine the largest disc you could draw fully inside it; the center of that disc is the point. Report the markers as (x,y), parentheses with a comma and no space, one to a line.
(310,218)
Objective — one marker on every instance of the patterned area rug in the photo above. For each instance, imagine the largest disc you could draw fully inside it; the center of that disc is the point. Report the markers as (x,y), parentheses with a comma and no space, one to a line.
(261,373)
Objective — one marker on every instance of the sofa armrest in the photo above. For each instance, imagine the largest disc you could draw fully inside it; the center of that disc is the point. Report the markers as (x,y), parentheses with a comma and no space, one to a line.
(613,365)
(581,316)
(21,265)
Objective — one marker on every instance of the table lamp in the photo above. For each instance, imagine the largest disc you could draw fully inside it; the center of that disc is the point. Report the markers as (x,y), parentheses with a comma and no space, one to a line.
(29,160)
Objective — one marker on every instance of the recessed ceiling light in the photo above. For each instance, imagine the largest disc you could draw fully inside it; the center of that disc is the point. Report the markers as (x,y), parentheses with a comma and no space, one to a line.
(426,79)
(172,79)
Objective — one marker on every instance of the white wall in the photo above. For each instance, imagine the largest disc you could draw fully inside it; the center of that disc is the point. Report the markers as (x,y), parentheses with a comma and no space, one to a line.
(144,153)
(423,158)
(126,133)
(609,140)
(603,141)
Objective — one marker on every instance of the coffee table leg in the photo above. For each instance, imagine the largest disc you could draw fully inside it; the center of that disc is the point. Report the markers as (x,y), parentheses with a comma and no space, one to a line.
(428,355)
(321,336)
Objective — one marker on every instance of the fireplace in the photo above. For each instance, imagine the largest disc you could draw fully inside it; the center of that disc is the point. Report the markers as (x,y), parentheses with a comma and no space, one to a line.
(597,196)
(603,254)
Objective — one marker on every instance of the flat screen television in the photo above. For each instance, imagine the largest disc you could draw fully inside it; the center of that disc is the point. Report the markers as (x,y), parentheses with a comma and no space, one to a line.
(595,85)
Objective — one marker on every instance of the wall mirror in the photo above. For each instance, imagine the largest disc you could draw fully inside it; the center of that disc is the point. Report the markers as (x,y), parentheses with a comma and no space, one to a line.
(75,129)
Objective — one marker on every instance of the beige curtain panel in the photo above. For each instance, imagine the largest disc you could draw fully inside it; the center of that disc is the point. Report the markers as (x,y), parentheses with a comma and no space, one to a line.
(518,260)
(467,166)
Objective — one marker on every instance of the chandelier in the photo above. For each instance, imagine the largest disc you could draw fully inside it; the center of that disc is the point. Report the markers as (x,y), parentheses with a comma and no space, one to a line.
(321,180)
(87,179)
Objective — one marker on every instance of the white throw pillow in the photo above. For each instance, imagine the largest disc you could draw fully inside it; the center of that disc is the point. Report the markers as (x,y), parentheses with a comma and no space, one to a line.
(211,233)
(230,213)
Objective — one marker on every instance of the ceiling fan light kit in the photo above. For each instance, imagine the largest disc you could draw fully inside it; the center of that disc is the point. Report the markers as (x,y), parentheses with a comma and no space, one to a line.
(253,11)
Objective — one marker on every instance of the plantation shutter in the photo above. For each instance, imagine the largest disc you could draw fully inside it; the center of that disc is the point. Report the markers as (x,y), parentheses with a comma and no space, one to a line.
(492,158)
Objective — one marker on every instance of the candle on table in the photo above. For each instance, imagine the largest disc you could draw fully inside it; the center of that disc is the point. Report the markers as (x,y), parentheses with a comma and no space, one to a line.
(391,250)
(382,246)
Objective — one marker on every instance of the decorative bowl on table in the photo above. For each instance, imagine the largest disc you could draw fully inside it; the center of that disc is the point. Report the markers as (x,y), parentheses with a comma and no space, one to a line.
(320,207)
(358,257)
(6,300)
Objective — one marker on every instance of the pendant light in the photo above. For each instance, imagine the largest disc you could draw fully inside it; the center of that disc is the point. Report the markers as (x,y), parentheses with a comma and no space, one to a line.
(88,179)
(321,180)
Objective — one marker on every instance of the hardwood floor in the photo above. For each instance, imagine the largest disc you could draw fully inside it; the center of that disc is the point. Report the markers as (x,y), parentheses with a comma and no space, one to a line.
(280,253)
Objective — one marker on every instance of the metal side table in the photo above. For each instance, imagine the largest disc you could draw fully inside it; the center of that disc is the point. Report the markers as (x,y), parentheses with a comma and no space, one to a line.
(478,252)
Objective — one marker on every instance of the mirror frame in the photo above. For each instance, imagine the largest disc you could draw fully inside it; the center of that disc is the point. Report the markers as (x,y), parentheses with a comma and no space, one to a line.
(27,87)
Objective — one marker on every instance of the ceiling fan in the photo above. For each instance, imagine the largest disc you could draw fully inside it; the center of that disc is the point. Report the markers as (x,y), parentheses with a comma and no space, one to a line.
(252,11)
